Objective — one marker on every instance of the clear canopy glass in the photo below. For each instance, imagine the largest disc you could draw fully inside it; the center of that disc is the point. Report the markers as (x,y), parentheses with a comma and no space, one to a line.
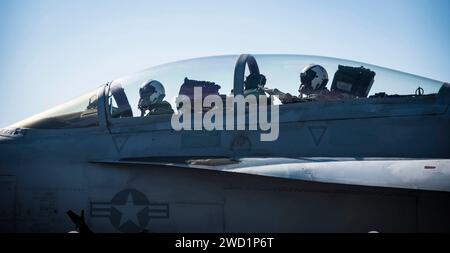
(281,71)
(78,113)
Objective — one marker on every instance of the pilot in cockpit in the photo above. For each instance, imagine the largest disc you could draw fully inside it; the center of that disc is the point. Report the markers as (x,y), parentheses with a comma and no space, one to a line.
(314,79)
(151,100)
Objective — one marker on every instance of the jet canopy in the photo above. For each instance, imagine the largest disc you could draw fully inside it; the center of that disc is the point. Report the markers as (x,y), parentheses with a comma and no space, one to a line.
(282,72)
(80,112)
(228,76)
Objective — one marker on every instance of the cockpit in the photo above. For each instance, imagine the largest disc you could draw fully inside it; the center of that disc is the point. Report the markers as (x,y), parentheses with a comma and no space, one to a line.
(294,79)
(279,75)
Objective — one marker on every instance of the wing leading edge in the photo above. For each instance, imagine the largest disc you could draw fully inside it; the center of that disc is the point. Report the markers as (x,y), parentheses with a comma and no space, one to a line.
(417,174)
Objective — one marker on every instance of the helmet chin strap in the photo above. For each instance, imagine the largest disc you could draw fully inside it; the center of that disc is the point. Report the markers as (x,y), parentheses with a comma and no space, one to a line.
(308,90)
(305,90)
(143,107)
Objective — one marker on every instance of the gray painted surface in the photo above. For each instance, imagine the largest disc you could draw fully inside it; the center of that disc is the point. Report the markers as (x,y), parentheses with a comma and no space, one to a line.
(387,169)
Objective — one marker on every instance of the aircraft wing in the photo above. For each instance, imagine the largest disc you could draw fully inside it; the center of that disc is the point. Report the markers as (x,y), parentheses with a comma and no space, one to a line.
(420,174)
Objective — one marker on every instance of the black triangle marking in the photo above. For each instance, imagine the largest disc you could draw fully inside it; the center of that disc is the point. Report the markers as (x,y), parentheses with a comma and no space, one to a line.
(120,142)
(317,133)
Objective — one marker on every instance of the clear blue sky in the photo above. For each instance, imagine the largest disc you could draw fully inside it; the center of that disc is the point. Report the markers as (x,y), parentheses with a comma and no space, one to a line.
(54,50)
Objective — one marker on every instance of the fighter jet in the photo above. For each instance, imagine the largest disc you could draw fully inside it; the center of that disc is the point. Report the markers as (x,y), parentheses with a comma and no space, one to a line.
(342,146)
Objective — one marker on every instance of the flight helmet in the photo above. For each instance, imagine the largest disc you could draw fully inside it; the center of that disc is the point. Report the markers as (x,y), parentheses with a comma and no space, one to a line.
(151,92)
(313,78)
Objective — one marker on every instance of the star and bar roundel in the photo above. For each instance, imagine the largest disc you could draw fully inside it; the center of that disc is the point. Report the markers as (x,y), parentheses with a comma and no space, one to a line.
(130,211)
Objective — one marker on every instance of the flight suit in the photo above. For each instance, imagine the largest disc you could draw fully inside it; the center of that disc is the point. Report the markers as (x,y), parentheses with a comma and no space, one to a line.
(163,107)
(322,95)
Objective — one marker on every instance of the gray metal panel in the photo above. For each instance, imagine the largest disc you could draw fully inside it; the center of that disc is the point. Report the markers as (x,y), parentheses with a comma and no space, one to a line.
(7,203)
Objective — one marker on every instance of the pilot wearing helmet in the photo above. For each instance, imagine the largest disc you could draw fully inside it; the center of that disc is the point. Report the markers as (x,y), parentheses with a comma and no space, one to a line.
(314,79)
(151,100)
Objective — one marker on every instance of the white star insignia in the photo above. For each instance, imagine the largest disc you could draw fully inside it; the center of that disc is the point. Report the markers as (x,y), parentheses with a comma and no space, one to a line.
(129,211)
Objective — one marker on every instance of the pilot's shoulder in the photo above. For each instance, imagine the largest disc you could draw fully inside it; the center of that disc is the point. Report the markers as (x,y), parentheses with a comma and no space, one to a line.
(164,105)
